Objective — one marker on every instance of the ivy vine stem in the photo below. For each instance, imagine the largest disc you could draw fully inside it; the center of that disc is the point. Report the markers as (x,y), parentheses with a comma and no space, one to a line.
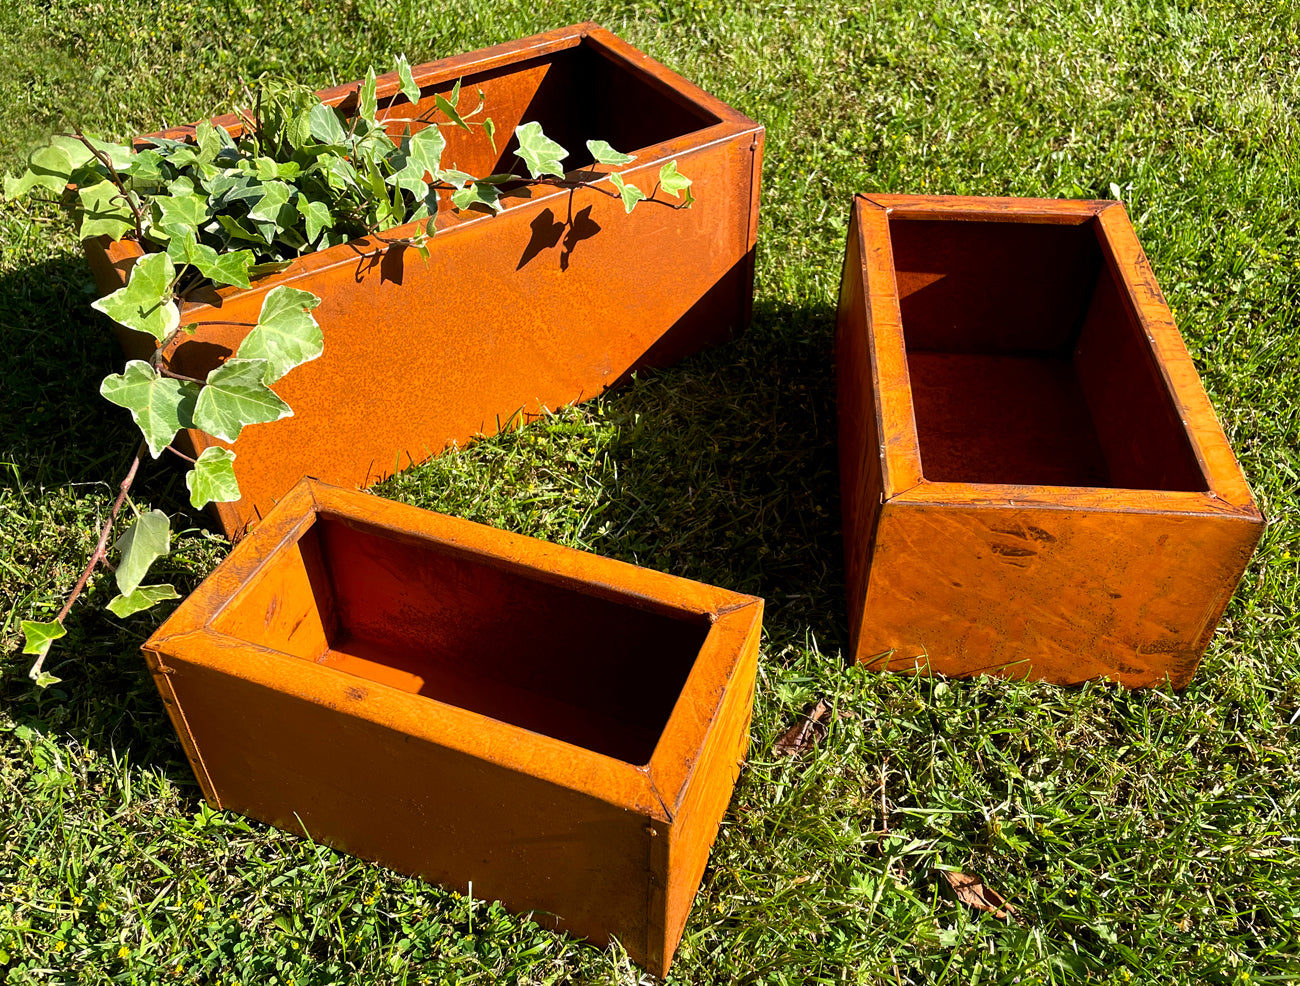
(137,212)
(100,554)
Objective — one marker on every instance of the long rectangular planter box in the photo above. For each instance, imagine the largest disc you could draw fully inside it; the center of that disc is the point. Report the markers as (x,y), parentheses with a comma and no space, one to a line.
(1034,482)
(561,730)
(552,302)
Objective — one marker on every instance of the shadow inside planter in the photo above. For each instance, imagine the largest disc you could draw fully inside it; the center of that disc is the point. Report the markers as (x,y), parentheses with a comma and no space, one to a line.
(602,672)
(1026,364)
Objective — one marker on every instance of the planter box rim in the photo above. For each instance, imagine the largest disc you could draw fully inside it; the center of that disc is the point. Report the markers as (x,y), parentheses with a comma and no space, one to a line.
(1227,492)
(730,124)
(655,788)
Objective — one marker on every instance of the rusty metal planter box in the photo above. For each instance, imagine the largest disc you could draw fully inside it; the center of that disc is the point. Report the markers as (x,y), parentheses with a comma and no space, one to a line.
(1034,482)
(561,730)
(550,303)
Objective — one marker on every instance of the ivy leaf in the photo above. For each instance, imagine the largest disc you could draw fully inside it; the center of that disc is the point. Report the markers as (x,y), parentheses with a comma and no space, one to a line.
(298,130)
(425,149)
(145,169)
(449,108)
(367,106)
(221,268)
(142,598)
(420,155)
(207,137)
(238,231)
(688,200)
(630,194)
(541,154)
(268,169)
(479,193)
(603,153)
(327,125)
(338,172)
(225,268)
(407,81)
(490,129)
(160,405)
(671,180)
(39,636)
(235,396)
(145,303)
(49,167)
(275,196)
(103,212)
(213,477)
(144,541)
(270,267)
(286,334)
(231,185)
(316,214)
(186,209)
(458,178)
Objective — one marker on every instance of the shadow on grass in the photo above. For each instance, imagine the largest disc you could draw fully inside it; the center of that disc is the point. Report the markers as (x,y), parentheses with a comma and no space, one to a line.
(727,472)
(724,471)
(63,449)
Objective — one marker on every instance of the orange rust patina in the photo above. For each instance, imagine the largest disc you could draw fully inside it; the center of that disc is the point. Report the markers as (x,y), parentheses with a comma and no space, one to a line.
(561,730)
(1034,482)
(557,299)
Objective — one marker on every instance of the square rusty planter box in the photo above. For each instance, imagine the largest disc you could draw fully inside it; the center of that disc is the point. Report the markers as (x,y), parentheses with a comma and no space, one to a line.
(557,299)
(561,730)
(1034,482)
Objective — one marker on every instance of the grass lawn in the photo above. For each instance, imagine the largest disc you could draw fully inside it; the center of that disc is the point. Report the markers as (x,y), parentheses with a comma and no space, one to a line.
(1142,837)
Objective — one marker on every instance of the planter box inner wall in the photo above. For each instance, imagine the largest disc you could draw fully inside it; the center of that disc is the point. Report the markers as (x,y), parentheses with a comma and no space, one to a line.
(455,627)
(561,730)
(1026,367)
(1033,481)
(560,297)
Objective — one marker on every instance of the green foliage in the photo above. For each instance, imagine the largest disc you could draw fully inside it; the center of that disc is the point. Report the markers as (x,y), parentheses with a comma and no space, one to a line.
(141,598)
(103,211)
(601,152)
(671,180)
(407,82)
(630,194)
(213,477)
(145,303)
(234,396)
(140,545)
(38,636)
(159,405)
(540,154)
(286,334)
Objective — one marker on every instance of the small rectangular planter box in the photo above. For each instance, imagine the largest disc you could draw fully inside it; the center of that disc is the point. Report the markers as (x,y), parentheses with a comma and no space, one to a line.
(560,297)
(1034,482)
(467,705)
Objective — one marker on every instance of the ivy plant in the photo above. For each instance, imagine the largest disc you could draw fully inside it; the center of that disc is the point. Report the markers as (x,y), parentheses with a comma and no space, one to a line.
(225,208)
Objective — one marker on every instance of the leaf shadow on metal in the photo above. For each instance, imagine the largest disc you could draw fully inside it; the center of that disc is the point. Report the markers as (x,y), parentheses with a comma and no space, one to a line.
(549,232)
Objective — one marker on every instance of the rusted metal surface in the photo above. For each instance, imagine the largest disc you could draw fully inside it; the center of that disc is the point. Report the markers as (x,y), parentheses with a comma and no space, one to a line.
(562,730)
(1034,482)
(554,301)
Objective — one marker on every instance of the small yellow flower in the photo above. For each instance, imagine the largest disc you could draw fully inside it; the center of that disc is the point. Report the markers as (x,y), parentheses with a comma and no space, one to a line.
(198,906)
(123,952)
(101,906)
(60,946)
(77,900)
